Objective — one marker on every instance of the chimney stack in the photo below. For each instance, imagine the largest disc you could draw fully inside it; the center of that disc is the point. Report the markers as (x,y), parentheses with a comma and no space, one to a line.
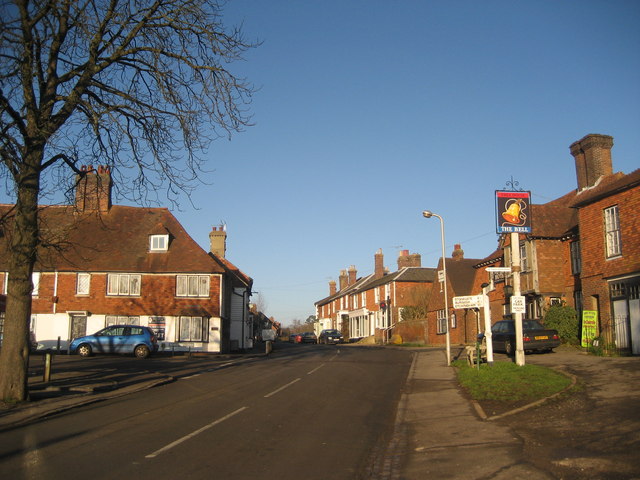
(332,288)
(593,159)
(218,241)
(343,279)
(352,275)
(378,271)
(93,189)
(458,253)
(409,260)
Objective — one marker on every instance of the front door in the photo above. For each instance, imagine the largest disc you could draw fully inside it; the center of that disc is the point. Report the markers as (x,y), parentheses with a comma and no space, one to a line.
(78,326)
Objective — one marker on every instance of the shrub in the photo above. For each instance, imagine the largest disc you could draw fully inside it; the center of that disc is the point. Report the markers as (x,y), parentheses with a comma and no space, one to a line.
(565,320)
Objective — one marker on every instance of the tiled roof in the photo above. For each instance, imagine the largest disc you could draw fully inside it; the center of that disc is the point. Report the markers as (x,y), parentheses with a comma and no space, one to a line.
(461,274)
(552,220)
(494,257)
(113,241)
(559,217)
(607,186)
(233,270)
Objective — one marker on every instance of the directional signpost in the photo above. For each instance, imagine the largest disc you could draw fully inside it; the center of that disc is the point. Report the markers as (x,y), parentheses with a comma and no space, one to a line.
(470,301)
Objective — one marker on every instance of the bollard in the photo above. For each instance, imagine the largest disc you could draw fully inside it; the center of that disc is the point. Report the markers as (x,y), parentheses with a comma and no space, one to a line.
(47,367)
(58,346)
(267,347)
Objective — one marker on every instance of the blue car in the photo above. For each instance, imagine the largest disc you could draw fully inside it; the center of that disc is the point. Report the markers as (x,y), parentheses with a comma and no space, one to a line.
(125,339)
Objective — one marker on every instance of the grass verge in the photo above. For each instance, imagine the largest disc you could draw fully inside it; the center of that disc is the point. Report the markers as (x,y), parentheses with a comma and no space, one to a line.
(509,383)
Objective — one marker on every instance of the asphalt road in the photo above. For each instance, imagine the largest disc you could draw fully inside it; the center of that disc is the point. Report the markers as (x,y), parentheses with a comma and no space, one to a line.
(309,411)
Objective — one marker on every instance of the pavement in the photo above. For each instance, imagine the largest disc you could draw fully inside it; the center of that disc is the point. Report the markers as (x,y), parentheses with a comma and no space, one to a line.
(438,432)
(448,436)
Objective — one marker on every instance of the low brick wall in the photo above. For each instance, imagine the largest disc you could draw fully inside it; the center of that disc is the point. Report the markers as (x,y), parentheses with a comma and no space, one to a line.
(413,331)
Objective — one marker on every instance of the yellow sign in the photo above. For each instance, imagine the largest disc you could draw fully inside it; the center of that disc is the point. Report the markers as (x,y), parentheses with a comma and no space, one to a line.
(589,327)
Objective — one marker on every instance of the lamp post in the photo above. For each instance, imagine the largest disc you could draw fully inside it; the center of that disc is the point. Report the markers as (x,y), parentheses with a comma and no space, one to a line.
(429,214)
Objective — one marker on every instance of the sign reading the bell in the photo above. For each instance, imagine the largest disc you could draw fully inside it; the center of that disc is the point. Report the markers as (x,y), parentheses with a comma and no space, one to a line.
(513,212)
(518,304)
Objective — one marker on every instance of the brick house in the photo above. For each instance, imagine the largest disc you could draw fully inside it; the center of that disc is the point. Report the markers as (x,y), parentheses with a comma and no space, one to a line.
(584,248)
(372,305)
(609,242)
(461,274)
(101,264)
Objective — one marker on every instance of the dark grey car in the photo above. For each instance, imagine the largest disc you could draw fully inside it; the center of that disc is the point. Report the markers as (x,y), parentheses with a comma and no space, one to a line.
(330,335)
(534,335)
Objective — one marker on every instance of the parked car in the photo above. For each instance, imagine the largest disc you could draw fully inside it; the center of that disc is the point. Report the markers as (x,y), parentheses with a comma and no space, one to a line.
(125,339)
(309,337)
(534,335)
(295,338)
(330,335)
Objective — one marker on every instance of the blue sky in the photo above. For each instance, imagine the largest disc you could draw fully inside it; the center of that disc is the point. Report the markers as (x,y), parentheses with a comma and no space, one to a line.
(369,112)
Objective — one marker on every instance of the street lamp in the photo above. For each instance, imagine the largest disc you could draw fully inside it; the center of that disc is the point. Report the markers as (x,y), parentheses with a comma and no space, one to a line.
(429,214)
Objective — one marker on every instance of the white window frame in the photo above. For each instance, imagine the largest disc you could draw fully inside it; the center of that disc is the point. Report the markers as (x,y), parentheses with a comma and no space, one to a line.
(124,284)
(192,329)
(524,257)
(158,243)
(121,320)
(81,280)
(193,286)
(441,322)
(613,242)
(35,280)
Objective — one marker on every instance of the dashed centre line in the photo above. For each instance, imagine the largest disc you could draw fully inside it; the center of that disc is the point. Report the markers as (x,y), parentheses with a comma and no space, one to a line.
(194,433)
(282,388)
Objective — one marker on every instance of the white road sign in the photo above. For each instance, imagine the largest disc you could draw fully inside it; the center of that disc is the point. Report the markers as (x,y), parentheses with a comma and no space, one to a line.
(518,304)
(471,301)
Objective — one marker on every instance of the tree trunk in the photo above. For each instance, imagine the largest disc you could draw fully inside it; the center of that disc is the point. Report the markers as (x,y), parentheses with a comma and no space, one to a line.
(14,356)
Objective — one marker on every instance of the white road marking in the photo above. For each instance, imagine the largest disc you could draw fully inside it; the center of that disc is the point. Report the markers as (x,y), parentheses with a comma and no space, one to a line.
(316,369)
(193,434)
(281,388)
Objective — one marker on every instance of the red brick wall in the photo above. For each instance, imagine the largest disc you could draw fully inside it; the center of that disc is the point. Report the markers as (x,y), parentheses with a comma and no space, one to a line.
(552,261)
(596,268)
(157,297)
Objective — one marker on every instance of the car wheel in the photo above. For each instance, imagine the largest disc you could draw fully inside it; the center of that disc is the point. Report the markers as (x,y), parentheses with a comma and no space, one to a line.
(508,348)
(141,351)
(84,350)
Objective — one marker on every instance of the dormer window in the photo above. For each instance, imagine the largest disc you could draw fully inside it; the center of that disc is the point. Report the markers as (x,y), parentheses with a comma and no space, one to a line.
(158,243)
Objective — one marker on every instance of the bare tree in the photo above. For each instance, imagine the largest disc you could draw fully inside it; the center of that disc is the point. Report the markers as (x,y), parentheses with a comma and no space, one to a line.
(141,86)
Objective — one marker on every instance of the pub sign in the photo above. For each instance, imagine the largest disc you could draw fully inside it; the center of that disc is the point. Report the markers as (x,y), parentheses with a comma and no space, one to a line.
(513,212)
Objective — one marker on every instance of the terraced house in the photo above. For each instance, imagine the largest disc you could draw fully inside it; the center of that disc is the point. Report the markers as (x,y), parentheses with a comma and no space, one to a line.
(101,264)
(373,305)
